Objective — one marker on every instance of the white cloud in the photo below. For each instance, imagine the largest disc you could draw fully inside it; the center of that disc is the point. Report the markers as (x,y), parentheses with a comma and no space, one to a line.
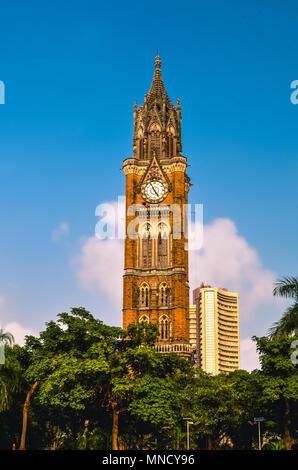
(100,267)
(18,331)
(249,358)
(100,263)
(227,260)
(61,231)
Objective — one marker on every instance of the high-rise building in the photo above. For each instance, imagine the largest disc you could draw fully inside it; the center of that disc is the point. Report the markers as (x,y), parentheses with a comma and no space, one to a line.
(193,331)
(218,329)
(155,280)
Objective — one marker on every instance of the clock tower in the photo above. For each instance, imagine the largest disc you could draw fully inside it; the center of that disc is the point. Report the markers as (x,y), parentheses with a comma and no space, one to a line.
(155,280)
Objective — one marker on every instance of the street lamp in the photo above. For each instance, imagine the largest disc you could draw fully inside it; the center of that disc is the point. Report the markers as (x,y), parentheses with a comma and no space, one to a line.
(259,420)
(188,422)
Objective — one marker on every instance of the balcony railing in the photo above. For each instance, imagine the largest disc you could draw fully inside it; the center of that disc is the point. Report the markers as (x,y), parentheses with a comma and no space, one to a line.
(180,348)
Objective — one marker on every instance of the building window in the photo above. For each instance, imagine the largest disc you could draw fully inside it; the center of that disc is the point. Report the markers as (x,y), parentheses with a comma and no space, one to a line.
(163,246)
(164,295)
(146,249)
(144,295)
(164,327)
(144,318)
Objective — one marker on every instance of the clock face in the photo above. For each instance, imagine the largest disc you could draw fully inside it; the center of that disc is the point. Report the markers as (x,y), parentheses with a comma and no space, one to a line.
(155,191)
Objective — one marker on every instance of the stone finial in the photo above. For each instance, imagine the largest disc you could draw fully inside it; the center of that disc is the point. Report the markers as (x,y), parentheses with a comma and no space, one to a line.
(157,62)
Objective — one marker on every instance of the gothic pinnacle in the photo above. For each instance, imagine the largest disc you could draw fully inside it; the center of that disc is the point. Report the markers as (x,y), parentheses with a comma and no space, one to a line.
(157,62)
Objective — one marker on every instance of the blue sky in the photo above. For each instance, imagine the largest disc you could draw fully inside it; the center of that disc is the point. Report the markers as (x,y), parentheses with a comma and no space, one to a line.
(72,71)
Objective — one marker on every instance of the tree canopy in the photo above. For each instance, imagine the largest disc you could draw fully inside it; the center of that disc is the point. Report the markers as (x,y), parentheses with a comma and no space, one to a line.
(84,385)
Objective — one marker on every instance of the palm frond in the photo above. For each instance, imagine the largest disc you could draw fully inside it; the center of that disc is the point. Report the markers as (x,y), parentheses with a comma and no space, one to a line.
(6,337)
(286,287)
(287,325)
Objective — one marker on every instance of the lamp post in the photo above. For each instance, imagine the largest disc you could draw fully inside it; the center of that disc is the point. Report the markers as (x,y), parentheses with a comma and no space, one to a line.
(188,422)
(259,420)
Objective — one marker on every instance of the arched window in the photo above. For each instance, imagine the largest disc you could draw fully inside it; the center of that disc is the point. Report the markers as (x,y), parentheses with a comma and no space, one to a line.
(162,246)
(164,327)
(155,140)
(146,248)
(164,295)
(144,295)
(144,318)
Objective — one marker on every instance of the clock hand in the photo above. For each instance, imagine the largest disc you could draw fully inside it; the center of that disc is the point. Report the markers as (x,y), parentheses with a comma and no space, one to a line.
(153,189)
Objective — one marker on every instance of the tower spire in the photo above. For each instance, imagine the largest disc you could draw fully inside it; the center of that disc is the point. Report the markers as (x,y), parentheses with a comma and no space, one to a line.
(157,89)
(157,122)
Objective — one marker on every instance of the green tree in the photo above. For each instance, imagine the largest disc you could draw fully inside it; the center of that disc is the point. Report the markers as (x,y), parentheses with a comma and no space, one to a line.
(12,377)
(79,364)
(279,380)
(222,408)
(68,363)
(157,398)
(247,388)
(211,406)
(288,324)
(6,338)
(10,374)
(143,384)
